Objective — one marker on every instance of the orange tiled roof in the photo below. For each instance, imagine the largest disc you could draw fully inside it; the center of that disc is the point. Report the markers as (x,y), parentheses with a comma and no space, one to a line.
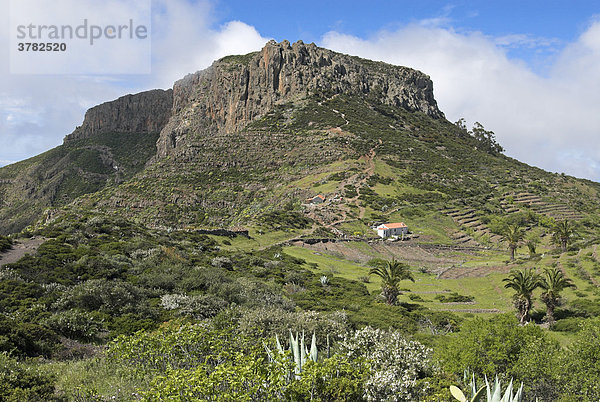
(321,196)
(394,225)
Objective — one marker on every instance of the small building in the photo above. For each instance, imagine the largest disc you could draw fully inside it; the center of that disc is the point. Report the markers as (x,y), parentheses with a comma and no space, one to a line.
(392,229)
(317,199)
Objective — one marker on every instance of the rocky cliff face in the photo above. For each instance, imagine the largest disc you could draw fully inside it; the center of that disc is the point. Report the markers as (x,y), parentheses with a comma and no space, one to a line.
(237,89)
(145,112)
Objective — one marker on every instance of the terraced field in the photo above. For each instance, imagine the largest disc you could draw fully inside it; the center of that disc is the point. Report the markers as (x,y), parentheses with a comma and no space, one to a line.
(558,211)
(472,228)
(473,231)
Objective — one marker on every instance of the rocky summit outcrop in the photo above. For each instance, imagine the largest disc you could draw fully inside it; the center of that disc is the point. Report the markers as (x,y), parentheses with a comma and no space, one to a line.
(145,112)
(237,89)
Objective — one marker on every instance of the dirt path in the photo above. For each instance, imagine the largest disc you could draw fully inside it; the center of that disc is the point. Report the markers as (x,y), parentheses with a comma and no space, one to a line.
(356,181)
(369,170)
(341,114)
(20,248)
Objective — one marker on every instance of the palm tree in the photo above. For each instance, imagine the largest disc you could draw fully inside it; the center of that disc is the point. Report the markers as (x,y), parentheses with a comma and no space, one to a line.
(391,273)
(553,283)
(531,242)
(563,232)
(531,245)
(523,282)
(513,235)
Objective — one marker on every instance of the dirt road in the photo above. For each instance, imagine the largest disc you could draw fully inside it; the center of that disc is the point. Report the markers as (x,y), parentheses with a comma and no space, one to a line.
(20,248)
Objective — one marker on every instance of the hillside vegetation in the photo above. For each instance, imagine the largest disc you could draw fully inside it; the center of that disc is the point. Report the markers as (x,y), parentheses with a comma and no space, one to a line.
(59,176)
(190,265)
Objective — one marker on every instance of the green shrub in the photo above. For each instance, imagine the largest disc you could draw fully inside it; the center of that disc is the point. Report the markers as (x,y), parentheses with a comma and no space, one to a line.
(20,382)
(267,322)
(103,266)
(176,346)
(75,324)
(110,297)
(26,339)
(585,307)
(571,324)
(130,323)
(415,297)
(241,376)
(454,298)
(439,322)
(334,379)
(499,346)
(581,364)
(199,307)
(16,294)
(277,220)
(350,191)
(5,243)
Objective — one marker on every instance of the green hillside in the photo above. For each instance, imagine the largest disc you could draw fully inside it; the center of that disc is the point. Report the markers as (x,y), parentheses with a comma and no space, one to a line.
(385,163)
(57,177)
(163,266)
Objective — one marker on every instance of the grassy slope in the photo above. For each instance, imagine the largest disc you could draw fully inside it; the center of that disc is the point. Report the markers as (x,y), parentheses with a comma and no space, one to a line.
(489,293)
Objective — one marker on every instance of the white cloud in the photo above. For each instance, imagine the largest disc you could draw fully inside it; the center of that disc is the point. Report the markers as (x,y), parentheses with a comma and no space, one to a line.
(548,121)
(527,41)
(184,42)
(37,111)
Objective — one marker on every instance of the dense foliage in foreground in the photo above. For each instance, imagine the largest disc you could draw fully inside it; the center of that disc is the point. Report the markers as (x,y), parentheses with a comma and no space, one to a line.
(216,360)
(120,311)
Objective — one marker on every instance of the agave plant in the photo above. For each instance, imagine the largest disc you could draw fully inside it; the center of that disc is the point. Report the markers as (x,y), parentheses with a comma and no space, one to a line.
(299,353)
(493,393)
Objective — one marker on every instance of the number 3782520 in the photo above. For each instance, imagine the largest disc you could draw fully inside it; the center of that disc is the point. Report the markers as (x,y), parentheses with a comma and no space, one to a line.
(41,47)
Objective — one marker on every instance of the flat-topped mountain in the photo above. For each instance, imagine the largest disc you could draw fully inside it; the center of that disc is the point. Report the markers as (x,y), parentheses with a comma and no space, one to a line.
(238,89)
(254,135)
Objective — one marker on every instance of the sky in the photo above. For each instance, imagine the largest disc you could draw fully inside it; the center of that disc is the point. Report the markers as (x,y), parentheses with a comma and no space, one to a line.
(527,70)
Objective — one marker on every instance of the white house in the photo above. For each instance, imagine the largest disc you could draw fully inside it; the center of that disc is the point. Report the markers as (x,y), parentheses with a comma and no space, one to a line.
(392,229)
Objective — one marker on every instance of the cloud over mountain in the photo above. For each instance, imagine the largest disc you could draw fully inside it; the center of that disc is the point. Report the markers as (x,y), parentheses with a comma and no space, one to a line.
(549,121)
